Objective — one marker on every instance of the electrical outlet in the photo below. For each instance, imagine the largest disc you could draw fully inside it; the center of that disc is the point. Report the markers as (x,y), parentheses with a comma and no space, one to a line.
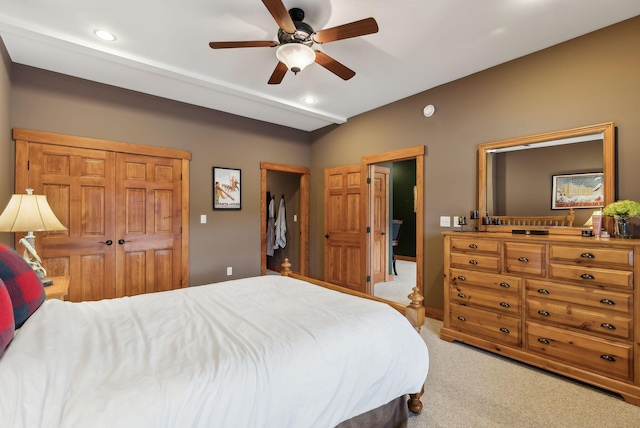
(229,271)
(203,219)
(445,221)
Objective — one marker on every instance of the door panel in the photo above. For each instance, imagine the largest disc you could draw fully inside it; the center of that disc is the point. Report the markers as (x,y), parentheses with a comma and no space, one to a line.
(79,187)
(344,256)
(148,223)
(380,266)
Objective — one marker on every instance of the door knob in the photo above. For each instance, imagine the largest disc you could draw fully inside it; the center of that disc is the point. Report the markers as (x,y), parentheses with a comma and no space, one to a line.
(108,242)
(326,236)
(121,241)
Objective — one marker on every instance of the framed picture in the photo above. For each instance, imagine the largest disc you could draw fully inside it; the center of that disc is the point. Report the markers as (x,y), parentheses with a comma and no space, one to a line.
(226,189)
(578,191)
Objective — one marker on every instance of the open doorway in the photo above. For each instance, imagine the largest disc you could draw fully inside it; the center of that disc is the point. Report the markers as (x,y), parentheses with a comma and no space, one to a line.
(411,267)
(398,210)
(292,182)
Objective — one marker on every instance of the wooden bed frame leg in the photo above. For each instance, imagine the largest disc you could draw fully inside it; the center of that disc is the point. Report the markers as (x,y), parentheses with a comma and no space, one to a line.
(414,403)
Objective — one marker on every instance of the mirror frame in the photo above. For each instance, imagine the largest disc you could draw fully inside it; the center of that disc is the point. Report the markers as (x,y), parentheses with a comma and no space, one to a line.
(608,165)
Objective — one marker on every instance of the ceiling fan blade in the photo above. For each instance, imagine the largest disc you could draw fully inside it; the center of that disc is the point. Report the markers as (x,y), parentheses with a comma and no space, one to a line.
(249,44)
(346,31)
(281,15)
(334,66)
(278,74)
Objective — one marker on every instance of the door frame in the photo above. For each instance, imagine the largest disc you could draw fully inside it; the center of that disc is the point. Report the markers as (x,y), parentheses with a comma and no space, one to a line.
(367,165)
(304,173)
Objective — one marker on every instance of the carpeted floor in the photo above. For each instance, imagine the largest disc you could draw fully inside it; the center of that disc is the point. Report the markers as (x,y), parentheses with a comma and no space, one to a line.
(401,286)
(468,387)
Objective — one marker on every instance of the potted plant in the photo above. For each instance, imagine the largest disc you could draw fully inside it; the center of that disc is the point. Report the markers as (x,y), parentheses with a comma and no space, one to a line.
(621,211)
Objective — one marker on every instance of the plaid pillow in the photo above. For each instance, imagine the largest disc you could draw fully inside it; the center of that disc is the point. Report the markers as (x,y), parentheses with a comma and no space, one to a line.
(24,286)
(7,326)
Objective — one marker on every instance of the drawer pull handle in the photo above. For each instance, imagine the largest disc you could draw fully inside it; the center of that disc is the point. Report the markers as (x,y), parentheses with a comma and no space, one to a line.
(505,305)
(587,256)
(607,302)
(505,284)
(607,325)
(543,291)
(461,318)
(543,313)
(543,340)
(587,276)
(504,330)
(473,262)
(474,246)
(462,295)
(523,259)
(462,277)
(608,358)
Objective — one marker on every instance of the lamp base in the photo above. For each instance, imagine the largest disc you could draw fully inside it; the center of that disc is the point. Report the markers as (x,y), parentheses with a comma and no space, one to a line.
(47,282)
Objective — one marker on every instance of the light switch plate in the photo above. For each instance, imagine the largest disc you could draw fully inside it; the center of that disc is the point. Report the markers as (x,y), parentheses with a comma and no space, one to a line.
(445,221)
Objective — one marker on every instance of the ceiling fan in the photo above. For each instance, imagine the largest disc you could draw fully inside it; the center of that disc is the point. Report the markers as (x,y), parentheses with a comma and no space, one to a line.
(295,39)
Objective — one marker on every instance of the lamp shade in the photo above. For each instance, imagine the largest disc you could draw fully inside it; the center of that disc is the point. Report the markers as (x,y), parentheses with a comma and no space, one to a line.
(295,56)
(25,213)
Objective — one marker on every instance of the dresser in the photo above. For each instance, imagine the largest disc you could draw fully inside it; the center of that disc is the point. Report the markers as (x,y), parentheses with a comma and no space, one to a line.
(563,303)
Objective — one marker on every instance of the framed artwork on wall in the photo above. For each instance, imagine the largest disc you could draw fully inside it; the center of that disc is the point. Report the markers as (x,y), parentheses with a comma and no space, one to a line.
(577,191)
(226,189)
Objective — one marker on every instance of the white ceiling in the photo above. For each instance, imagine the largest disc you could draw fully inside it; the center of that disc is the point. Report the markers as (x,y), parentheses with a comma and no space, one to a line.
(162,47)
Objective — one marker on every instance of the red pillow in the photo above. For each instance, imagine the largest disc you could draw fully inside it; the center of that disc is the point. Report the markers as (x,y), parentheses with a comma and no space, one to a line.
(7,326)
(24,286)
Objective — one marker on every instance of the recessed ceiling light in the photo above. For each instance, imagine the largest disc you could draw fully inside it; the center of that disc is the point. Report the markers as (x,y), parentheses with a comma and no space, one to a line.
(104,35)
(309,100)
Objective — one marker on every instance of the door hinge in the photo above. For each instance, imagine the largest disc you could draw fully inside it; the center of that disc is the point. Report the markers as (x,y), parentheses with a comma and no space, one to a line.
(28,165)
(368,180)
(368,229)
(368,278)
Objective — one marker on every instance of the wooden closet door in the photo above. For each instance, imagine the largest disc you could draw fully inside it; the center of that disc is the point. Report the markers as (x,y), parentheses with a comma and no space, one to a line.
(148,224)
(79,185)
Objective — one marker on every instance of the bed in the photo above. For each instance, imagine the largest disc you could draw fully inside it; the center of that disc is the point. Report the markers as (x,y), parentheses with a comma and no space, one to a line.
(269,351)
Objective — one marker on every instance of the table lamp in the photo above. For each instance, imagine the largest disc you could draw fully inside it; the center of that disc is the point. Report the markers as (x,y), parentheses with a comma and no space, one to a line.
(29,213)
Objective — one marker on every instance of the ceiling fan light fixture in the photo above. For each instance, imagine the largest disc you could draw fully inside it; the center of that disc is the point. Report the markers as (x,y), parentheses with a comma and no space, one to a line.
(295,56)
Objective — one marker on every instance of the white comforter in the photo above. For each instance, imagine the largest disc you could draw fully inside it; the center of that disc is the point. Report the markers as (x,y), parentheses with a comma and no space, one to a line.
(258,352)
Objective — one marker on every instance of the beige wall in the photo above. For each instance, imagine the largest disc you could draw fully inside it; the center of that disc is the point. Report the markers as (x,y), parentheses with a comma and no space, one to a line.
(6,145)
(53,102)
(588,80)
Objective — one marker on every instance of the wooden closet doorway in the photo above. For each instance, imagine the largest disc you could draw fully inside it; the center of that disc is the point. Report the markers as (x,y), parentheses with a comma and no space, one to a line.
(303,174)
(126,207)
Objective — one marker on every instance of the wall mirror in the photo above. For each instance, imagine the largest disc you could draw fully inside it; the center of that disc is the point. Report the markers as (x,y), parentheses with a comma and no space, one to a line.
(520,176)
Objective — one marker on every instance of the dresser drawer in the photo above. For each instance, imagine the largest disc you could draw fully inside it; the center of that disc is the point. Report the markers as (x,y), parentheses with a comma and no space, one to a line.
(602,356)
(476,261)
(493,281)
(475,245)
(506,302)
(594,276)
(580,317)
(605,257)
(593,297)
(524,258)
(488,325)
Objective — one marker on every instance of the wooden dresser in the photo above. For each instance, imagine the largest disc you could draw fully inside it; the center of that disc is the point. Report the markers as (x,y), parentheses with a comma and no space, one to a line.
(567,304)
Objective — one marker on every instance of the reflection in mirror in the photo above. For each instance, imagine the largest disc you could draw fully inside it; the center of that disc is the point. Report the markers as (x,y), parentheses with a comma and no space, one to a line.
(515,177)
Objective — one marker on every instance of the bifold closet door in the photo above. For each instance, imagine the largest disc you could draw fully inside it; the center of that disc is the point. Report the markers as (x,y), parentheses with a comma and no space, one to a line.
(123,214)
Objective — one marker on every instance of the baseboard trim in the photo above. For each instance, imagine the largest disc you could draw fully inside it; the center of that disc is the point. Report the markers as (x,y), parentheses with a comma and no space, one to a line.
(405,258)
(436,314)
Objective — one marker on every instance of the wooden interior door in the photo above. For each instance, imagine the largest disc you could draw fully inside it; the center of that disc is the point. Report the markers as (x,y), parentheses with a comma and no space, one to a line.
(381,235)
(148,220)
(79,185)
(344,262)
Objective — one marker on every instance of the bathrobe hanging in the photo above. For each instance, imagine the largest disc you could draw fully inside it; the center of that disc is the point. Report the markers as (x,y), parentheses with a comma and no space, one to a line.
(271,228)
(281,226)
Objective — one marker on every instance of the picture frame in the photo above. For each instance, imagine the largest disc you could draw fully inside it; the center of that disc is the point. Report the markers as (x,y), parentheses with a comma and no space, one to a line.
(227,192)
(584,190)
